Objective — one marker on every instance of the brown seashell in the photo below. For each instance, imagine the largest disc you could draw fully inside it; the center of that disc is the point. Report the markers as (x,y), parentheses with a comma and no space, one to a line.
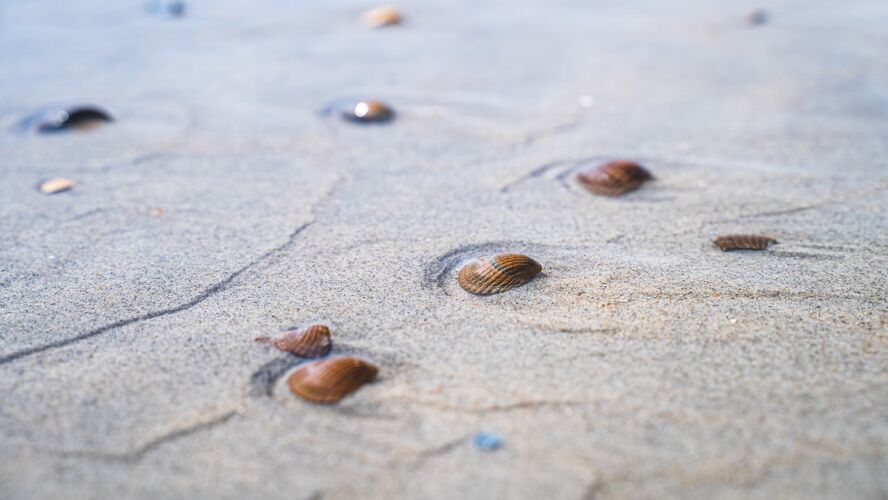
(369,112)
(79,118)
(329,380)
(498,273)
(312,341)
(382,16)
(614,178)
(55,185)
(743,242)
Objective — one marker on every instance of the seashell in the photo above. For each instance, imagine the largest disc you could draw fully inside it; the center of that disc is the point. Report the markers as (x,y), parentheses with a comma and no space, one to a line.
(498,273)
(79,118)
(329,380)
(55,185)
(312,341)
(744,242)
(757,17)
(369,112)
(614,178)
(170,8)
(382,16)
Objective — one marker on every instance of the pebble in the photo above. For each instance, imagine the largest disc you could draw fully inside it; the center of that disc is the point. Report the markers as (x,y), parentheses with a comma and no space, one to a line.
(486,441)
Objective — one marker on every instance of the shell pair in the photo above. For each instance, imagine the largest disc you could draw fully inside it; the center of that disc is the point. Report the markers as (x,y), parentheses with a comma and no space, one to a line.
(498,273)
(614,178)
(326,381)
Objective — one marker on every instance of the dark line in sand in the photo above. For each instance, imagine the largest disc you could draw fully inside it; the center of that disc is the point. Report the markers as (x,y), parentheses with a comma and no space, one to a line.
(140,452)
(207,293)
(542,169)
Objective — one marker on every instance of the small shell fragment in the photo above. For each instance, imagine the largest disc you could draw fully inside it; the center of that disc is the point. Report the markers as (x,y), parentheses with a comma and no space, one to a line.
(744,242)
(382,16)
(614,178)
(311,341)
(329,380)
(498,273)
(55,185)
(369,112)
(76,118)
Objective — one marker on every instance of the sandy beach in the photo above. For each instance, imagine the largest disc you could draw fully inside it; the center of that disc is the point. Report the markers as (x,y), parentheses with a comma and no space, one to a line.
(227,201)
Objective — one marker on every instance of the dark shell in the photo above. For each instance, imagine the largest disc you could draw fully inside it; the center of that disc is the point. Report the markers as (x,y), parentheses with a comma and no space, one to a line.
(498,273)
(79,118)
(744,242)
(757,17)
(171,8)
(614,178)
(329,380)
(369,112)
(312,341)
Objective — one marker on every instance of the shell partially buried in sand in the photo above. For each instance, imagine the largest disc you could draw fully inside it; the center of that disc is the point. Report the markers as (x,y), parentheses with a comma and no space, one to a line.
(498,273)
(382,16)
(614,178)
(328,381)
(744,242)
(311,341)
(369,112)
(55,185)
(76,118)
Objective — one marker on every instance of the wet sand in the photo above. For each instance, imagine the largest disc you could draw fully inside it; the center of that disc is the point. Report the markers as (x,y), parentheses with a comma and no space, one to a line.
(224,203)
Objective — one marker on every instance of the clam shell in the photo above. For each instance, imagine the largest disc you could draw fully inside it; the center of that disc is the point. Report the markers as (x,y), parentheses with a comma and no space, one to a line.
(614,178)
(382,16)
(55,185)
(743,242)
(369,112)
(79,117)
(329,380)
(498,273)
(312,341)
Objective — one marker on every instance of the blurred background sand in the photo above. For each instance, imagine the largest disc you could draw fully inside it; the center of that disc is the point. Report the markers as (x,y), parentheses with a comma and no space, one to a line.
(224,204)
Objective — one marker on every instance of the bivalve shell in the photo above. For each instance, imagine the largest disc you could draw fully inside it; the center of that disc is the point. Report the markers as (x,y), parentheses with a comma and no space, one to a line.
(614,178)
(311,341)
(382,16)
(55,185)
(369,112)
(498,273)
(744,242)
(79,118)
(329,380)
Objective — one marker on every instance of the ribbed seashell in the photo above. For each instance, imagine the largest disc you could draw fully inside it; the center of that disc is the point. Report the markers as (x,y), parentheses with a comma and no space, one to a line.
(744,242)
(614,178)
(382,16)
(80,118)
(55,185)
(329,380)
(497,273)
(368,112)
(312,341)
